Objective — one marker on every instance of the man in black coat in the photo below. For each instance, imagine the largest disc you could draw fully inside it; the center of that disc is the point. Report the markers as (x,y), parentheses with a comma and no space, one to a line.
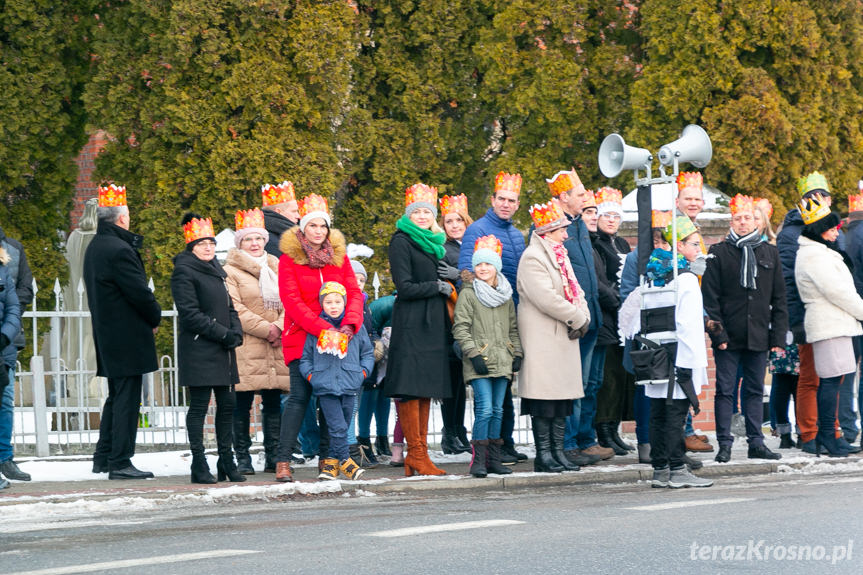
(281,213)
(743,288)
(125,318)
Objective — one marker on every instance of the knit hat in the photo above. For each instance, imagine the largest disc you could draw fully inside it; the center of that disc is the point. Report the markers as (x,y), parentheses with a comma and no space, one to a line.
(419,196)
(487,250)
(311,207)
(359,269)
(332,287)
(248,222)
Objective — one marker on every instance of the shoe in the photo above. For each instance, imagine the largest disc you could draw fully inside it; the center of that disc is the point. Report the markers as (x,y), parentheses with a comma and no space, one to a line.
(507,458)
(843,443)
(129,472)
(200,470)
(283,472)
(493,462)
(509,449)
(696,445)
(660,477)
(367,452)
(644,453)
(3,484)
(297,459)
(682,477)
(603,437)
(808,446)
(480,456)
(786,442)
(100,467)
(350,469)
(226,469)
(329,469)
(581,459)
(382,444)
(724,454)
(558,431)
(602,452)
(397,457)
(10,471)
(544,462)
(450,444)
(691,463)
(830,443)
(762,452)
(616,438)
(244,464)
(738,425)
(461,433)
(703,438)
(356,453)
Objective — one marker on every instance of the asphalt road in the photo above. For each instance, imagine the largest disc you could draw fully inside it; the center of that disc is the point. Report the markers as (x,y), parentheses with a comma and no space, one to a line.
(765,524)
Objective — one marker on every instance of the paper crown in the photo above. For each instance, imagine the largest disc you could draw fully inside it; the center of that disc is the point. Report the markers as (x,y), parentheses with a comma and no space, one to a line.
(685,228)
(609,200)
(112,196)
(813,181)
(659,218)
(333,287)
(589,200)
(313,203)
(420,192)
(765,206)
(855,202)
(689,180)
(197,229)
(741,203)
(277,194)
(564,181)
(453,204)
(488,242)
(547,217)
(813,208)
(333,342)
(253,218)
(504,182)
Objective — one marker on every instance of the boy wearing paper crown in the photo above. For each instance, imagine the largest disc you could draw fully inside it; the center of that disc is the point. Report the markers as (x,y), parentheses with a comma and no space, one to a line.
(336,366)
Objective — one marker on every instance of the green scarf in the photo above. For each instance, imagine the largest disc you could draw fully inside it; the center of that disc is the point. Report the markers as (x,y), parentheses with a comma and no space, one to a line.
(430,242)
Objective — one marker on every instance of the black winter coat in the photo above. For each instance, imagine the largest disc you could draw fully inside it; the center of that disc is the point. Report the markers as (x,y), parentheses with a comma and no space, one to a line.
(754,320)
(786,242)
(206,313)
(418,364)
(276,224)
(606,249)
(124,311)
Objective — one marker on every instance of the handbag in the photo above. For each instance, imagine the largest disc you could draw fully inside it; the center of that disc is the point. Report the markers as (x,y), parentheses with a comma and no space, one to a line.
(651,362)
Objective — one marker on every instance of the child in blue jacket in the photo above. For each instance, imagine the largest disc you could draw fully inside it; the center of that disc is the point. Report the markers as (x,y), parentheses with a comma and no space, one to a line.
(335,364)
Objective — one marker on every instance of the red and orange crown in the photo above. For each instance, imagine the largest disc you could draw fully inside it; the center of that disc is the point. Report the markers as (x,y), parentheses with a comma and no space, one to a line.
(488,242)
(420,192)
(589,200)
(504,182)
(313,203)
(741,203)
(197,229)
(608,195)
(855,202)
(253,218)
(563,182)
(765,206)
(546,216)
(453,204)
(659,218)
(333,342)
(278,194)
(112,196)
(689,180)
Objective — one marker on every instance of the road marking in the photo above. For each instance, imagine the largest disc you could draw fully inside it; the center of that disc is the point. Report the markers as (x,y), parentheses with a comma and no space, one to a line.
(130,563)
(681,504)
(834,481)
(66,524)
(444,527)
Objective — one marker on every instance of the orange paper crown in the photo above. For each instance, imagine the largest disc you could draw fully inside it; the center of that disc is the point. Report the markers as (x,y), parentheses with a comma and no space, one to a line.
(197,229)
(563,182)
(765,206)
(608,195)
(741,203)
(253,218)
(333,342)
(659,218)
(112,196)
(488,242)
(855,202)
(504,182)
(589,200)
(689,180)
(453,204)
(313,203)
(420,192)
(547,216)
(278,194)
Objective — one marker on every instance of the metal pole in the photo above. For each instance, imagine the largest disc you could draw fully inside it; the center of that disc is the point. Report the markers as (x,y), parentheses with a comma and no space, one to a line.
(40,407)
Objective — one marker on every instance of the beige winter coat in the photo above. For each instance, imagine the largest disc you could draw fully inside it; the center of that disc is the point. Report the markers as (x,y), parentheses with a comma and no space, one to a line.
(261,365)
(552,362)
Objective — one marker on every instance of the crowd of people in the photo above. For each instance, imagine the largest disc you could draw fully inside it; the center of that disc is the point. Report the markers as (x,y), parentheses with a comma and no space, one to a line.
(568,317)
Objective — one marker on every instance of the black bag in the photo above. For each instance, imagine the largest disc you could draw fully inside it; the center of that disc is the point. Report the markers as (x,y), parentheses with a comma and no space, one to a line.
(651,362)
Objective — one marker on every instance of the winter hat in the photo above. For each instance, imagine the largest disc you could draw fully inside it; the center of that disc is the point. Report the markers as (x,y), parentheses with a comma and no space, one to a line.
(311,207)
(197,229)
(487,250)
(359,269)
(420,196)
(248,222)
(332,287)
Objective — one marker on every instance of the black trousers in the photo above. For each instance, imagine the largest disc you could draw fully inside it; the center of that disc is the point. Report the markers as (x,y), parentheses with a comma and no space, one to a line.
(453,408)
(199,402)
(667,446)
(119,426)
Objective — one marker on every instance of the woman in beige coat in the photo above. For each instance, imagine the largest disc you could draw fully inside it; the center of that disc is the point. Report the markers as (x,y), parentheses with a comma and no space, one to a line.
(254,288)
(552,315)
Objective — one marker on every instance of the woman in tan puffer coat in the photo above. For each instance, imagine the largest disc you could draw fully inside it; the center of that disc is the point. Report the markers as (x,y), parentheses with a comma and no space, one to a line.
(254,288)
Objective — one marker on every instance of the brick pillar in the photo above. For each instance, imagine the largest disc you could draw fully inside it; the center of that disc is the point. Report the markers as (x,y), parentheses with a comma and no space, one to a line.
(85,186)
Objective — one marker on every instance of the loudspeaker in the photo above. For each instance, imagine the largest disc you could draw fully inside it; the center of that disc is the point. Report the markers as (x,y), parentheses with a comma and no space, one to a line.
(693,146)
(615,156)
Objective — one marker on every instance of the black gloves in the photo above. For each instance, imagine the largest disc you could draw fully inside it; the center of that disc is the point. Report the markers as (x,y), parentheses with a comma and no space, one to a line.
(447,272)
(4,341)
(799,333)
(516,364)
(479,365)
(232,339)
(444,288)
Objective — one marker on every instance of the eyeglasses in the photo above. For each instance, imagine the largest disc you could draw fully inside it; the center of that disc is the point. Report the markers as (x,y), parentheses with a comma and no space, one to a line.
(693,244)
(207,244)
(610,216)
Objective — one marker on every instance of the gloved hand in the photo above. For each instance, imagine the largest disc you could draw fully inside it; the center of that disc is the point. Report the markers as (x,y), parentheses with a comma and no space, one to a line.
(348,330)
(232,339)
(379,351)
(699,266)
(516,364)
(799,333)
(447,272)
(444,288)
(578,333)
(4,341)
(479,365)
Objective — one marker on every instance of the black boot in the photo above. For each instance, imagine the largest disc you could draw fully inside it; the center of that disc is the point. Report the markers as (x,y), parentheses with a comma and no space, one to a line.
(616,438)
(368,453)
(450,444)
(603,437)
(558,430)
(382,444)
(461,433)
(493,462)
(272,423)
(226,468)
(480,454)
(359,457)
(242,443)
(544,461)
(786,442)
(200,469)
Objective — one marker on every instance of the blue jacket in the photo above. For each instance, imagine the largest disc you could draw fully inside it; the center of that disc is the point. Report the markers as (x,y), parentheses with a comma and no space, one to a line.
(786,241)
(511,239)
(333,376)
(854,249)
(10,316)
(629,276)
(580,252)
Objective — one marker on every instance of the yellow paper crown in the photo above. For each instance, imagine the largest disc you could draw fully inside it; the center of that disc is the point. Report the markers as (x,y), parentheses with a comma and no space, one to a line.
(765,206)
(504,182)
(277,194)
(855,202)
(685,228)
(607,195)
(741,203)
(197,229)
(589,200)
(659,218)
(313,203)
(813,181)
(813,208)
(253,218)
(564,181)
(689,180)
(453,204)
(333,342)
(547,216)
(112,196)
(420,192)
(488,242)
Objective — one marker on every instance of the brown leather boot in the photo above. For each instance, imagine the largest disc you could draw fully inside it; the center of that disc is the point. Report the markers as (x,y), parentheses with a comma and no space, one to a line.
(417,461)
(283,472)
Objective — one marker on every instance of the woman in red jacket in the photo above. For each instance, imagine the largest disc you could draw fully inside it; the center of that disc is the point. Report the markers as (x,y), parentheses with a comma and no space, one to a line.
(312,254)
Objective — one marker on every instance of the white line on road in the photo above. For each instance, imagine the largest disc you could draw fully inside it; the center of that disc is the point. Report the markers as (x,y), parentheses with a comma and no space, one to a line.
(128,563)
(680,504)
(444,527)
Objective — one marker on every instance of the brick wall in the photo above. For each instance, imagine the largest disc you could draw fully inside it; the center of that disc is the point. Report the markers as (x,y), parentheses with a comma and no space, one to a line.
(85,186)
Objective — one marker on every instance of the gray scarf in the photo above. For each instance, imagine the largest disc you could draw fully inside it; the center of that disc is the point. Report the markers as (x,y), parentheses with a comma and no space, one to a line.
(493,296)
(748,265)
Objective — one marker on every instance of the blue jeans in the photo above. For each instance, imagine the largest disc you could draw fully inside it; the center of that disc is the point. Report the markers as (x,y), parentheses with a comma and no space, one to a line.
(310,435)
(573,422)
(373,402)
(338,411)
(586,433)
(7,414)
(688,428)
(352,424)
(488,395)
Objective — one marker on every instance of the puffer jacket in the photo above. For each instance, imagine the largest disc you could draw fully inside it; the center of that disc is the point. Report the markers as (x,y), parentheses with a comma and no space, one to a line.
(10,313)
(261,365)
(512,245)
(330,375)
